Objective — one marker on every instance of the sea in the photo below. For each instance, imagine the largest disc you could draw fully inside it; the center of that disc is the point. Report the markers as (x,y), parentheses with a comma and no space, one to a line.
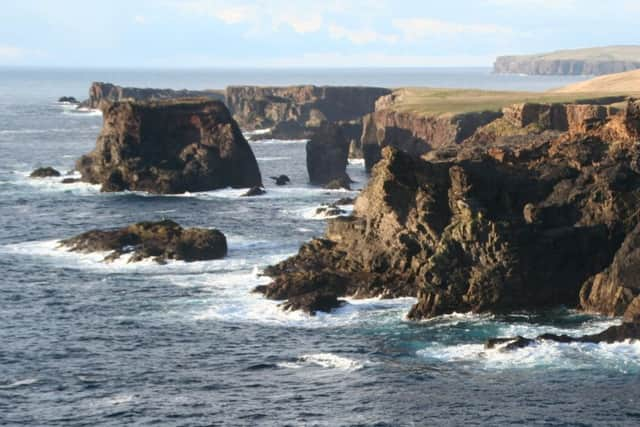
(89,343)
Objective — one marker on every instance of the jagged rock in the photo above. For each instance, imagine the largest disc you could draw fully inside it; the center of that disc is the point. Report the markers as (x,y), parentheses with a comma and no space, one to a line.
(330,210)
(514,224)
(162,241)
(345,201)
(343,183)
(68,100)
(281,180)
(289,111)
(327,155)
(70,180)
(254,191)
(102,94)
(45,172)
(170,147)
(620,333)
(313,302)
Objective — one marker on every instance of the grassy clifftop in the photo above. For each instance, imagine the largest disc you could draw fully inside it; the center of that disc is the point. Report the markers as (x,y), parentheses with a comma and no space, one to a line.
(430,101)
(624,83)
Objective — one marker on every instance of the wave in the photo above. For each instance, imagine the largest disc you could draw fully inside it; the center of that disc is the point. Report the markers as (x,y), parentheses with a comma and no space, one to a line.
(82,112)
(19,383)
(280,141)
(257,132)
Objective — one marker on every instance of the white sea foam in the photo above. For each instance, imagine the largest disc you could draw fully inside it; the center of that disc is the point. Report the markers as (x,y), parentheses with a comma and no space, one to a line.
(327,361)
(624,357)
(256,132)
(312,213)
(54,184)
(359,162)
(82,112)
(281,141)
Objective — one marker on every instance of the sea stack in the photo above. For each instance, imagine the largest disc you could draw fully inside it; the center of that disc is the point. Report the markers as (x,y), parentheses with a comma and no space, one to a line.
(170,147)
(327,155)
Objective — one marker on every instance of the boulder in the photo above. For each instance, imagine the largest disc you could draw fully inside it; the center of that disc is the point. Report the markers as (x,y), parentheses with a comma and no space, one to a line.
(45,172)
(343,183)
(162,241)
(327,155)
(170,147)
(70,180)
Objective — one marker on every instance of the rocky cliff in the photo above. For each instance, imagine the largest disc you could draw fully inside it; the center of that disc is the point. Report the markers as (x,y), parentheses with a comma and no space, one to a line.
(327,154)
(291,111)
(169,147)
(101,94)
(506,221)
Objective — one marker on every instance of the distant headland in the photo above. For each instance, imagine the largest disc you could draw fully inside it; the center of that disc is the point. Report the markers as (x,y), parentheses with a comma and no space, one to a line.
(590,61)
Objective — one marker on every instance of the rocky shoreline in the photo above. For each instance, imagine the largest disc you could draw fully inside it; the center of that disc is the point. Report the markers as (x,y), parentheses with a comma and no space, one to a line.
(503,221)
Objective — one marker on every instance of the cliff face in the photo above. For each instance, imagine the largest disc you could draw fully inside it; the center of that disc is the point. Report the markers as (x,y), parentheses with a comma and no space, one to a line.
(327,154)
(291,110)
(169,147)
(519,221)
(518,65)
(101,94)
(416,134)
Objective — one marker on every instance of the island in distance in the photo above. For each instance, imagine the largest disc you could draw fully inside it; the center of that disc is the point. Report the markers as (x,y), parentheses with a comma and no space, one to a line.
(592,61)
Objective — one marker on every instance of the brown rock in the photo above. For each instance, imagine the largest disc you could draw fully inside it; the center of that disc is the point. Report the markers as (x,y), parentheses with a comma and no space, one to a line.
(170,147)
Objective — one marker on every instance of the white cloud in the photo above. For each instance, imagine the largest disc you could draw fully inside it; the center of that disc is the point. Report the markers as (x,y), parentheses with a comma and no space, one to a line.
(370,59)
(11,52)
(420,28)
(359,37)
(544,4)
(139,19)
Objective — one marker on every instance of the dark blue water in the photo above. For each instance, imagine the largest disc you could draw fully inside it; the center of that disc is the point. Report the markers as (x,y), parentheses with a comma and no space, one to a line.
(88,343)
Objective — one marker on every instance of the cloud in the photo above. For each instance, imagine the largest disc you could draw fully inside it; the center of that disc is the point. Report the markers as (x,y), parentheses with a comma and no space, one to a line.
(139,19)
(420,28)
(359,37)
(11,52)
(375,59)
(542,4)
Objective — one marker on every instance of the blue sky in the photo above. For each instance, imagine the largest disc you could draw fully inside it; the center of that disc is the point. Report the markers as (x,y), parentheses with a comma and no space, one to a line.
(277,33)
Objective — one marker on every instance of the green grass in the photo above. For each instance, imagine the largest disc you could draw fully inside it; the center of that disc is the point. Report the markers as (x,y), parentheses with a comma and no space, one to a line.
(430,101)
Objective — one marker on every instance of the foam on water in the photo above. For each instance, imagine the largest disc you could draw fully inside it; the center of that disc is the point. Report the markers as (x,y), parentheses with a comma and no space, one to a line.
(256,132)
(623,357)
(280,141)
(327,361)
(82,112)
(18,383)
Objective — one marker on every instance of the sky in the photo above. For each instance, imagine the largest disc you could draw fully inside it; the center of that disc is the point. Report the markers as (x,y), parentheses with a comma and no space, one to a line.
(301,33)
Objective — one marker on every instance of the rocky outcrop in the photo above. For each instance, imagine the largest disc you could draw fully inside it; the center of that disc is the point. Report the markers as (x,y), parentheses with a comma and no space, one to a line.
(628,331)
(515,223)
(292,112)
(327,155)
(67,100)
(170,147)
(102,94)
(161,241)
(45,172)
(416,133)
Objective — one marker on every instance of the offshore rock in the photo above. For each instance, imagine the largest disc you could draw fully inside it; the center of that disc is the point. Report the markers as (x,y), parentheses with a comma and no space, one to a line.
(170,147)
(292,112)
(327,155)
(45,172)
(102,94)
(162,241)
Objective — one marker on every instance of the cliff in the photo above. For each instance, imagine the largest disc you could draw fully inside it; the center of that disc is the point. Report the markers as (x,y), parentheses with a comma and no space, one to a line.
(627,82)
(100,94)
(169,147)
(502,222)
(292,112)
(593,61)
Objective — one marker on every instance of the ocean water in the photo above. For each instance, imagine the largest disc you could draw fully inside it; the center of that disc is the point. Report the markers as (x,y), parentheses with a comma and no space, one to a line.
(89,343)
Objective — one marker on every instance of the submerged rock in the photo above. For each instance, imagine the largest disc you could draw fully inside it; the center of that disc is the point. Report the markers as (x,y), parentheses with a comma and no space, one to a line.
(510,224)
(330,210)
(170,147)
(255,191)
(162,241)
(281,179)
(70,180)
(45,172)
(629,331)
(68,100)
